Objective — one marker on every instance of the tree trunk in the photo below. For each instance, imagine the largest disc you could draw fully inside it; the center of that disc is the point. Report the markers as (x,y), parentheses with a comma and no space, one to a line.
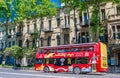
(89,31)
(6,30)
(75,24)
(41,27)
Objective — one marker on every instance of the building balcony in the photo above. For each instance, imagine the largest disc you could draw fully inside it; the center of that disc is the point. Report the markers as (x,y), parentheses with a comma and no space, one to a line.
(67,26)
(32,32)
(114,17)
(47,30)
(114,41)
(19,34)
(84,23)
(9,36)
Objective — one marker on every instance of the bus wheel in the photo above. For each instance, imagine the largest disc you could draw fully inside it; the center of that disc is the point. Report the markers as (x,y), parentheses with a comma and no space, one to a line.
(46,69)
(76,70)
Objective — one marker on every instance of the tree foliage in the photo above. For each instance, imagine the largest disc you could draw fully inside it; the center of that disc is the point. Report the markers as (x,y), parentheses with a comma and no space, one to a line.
(14,51)
(29,52)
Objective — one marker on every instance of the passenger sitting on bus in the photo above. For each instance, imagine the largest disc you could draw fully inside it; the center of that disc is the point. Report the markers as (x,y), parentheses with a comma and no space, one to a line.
(66,50)
(40,51)
(76,50)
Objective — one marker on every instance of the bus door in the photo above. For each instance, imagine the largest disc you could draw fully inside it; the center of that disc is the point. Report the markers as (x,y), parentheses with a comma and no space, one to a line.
(94,67)
(94,64)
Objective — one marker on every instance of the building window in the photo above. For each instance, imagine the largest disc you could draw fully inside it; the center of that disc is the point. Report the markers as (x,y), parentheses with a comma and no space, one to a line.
(58,22)
(66,39)
(14,30)
(19,30)
(118,32)
(33,43)
(2,45)
(79,38)
(10,31)
(85,18)
(103,14)
(3,33)
(65,21)
(87,37)
(41,39)
(58,40)
(27,43)
(118,9)
(49,41)
(68,20)
(28,28)
(49,24)
(114,35)
(83,37)
(35,27)
(41,25)
(9,44)
(20,43)
(13,43)
(80,19)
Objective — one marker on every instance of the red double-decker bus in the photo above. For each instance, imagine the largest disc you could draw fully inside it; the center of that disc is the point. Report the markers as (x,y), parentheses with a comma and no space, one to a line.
(76,58)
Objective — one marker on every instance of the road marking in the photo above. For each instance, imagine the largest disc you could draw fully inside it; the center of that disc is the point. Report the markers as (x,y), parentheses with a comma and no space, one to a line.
(48,76)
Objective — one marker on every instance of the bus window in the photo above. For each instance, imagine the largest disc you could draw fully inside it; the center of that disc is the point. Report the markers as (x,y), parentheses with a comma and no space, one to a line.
(91,48)
(49,61)
(59,51)
(69,61)
(61,62)
(82,60)
(51,51)
(63,50)
(74,49)
(79,49)
(73,60)
(39,61)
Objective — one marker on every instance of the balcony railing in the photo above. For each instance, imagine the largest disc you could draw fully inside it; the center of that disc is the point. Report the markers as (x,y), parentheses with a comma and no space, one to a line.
(84,23)
(67,26)
(19,34)
(47,30)
(114,17)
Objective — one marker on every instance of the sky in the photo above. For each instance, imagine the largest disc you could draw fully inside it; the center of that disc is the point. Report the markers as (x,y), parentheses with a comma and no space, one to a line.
(57,2)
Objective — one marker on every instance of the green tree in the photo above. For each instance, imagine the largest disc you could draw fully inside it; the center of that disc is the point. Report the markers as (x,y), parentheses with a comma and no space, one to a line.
(38,9)
(14,51)
(29,53)
(72,5)
(11,11)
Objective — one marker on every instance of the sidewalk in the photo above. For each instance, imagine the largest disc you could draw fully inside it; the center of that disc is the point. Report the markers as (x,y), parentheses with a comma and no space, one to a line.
(17,68)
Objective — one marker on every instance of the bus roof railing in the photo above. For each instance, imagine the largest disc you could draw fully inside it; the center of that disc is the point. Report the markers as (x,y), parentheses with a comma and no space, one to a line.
(69,46)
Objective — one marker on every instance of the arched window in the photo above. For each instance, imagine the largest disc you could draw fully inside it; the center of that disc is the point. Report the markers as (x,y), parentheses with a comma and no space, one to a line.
(49,41)
(58,39)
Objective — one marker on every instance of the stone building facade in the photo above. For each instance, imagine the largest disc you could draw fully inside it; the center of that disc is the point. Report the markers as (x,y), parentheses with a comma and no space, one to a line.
(60,30)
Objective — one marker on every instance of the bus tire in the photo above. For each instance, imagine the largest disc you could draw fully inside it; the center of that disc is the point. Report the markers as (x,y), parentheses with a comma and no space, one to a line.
(46,69)
(76,70)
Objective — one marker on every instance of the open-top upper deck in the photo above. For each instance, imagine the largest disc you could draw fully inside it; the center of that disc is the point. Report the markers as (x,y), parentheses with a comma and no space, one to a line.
(69,46)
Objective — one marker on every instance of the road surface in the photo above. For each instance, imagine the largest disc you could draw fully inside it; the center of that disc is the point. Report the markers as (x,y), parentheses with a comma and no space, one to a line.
(11,73)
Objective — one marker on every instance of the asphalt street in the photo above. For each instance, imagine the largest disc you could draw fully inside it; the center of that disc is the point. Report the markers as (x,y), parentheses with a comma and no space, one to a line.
(11,73)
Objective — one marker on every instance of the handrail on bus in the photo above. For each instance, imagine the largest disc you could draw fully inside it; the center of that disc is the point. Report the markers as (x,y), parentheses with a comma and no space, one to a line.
(68,46)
